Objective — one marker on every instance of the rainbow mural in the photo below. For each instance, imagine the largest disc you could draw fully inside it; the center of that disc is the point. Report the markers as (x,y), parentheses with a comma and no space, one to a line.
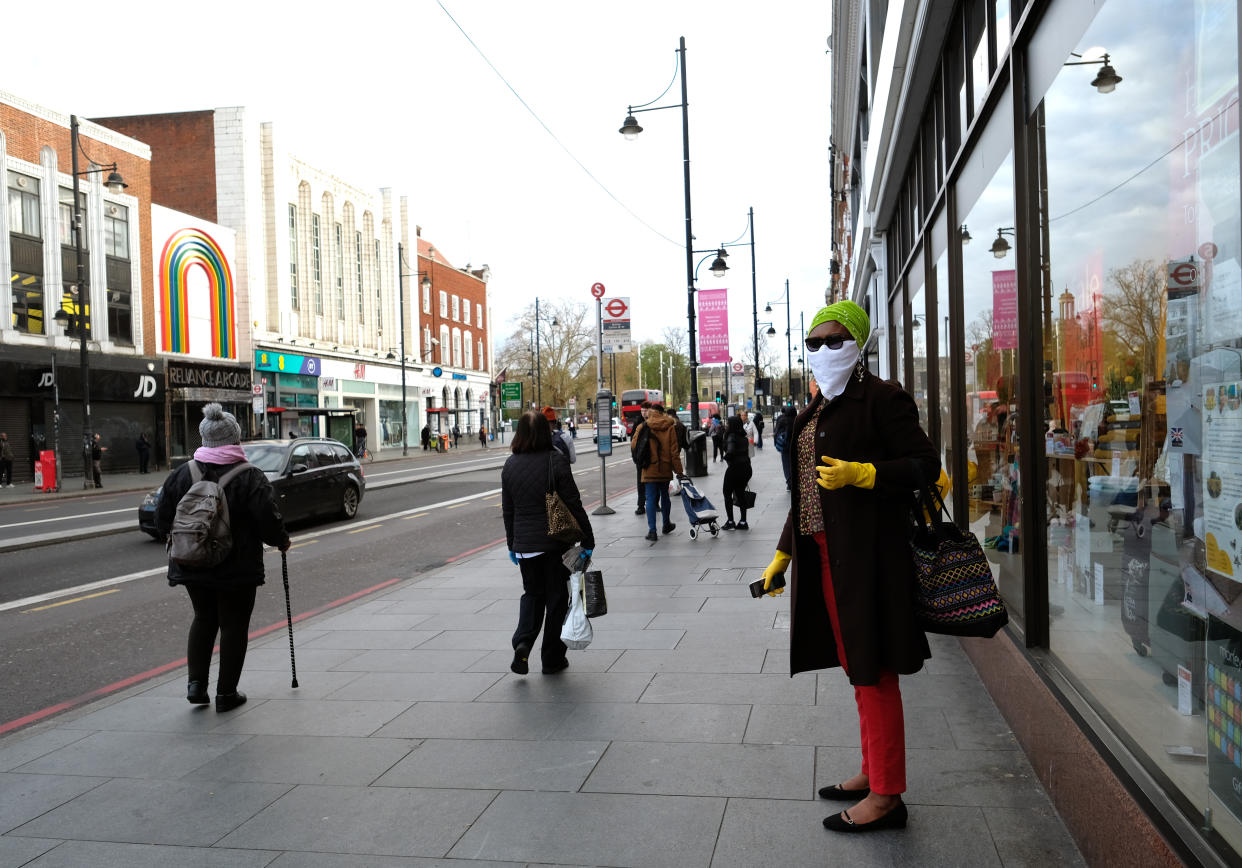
(185,249)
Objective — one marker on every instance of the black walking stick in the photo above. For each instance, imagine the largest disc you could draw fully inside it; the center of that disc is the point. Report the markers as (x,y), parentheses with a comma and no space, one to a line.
(284,571)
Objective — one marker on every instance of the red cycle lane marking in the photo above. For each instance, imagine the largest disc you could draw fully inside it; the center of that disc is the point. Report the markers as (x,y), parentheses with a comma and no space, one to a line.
(100,692)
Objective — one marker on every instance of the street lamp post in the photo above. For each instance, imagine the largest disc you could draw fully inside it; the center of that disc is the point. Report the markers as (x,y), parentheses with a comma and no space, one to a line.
(630,129)
(767,308)
(425,284)
(80,320)
(538,366)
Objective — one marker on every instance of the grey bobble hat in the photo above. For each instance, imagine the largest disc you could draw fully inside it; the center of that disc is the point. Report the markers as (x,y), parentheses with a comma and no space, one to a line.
(218,428)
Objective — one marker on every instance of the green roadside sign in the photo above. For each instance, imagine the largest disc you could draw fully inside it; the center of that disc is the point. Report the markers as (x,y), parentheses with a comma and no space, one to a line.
(511,396)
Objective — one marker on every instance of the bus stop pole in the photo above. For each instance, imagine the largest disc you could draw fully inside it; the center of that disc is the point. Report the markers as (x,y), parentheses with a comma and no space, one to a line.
(603,508)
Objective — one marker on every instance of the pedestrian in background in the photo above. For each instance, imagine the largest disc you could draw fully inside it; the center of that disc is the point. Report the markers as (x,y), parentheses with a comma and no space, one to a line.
(758,420)
(533,470)
(143,446)
(644,411)
(6,462)
(737,474)
(426,437)
(665,462)
(858,454)
(456,434)
(483,436)
(782,431)
(223,595)
(97,451)
(748,425)
(717,434)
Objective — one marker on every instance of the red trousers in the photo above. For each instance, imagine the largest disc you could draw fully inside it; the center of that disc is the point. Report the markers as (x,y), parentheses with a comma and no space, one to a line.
(881,720)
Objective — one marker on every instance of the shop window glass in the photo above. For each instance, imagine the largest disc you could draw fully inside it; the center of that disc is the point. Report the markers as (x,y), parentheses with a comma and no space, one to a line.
(898,316)
(64,214)
(1004,28)
(989,302)
(917,386)
(1143,355)
(116,230)
(24,205)
(26,291)
(977,42)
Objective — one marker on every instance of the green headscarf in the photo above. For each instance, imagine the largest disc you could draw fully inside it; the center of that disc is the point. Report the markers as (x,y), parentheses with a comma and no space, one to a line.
(850,315)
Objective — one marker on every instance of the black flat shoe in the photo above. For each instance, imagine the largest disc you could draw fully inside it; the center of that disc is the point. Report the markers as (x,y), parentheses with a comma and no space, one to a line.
(196,693)
(835,793)
(728,525)
(229,701)
(669,528)
(520,655)
(742,525)
(640,511)
(556,667)
(894,819)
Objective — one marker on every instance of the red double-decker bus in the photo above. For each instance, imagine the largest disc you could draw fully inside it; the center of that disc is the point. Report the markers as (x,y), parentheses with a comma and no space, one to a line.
(631,405)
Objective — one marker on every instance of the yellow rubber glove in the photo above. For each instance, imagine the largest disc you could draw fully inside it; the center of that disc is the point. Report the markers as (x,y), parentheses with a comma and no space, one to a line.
(780,561)
(834,474)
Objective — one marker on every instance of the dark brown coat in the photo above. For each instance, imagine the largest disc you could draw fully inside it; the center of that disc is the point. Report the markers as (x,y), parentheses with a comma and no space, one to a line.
(866,531)
(665,456)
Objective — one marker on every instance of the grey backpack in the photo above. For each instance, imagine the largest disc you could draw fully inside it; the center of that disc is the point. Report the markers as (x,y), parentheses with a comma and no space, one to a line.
(201,535)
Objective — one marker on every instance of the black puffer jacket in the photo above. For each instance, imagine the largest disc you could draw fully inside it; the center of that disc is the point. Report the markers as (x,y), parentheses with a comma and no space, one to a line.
(523,484)
(737,450)
(253,517)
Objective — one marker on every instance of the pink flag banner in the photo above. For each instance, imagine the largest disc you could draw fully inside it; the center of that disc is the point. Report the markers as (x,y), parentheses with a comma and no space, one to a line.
(713,326)
(1005,310)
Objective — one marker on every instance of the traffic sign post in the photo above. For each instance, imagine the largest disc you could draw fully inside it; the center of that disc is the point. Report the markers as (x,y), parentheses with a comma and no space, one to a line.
(603,445)
(615,334)
(511,396)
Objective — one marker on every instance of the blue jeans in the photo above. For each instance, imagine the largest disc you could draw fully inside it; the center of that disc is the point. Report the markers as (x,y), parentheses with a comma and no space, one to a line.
(657,492)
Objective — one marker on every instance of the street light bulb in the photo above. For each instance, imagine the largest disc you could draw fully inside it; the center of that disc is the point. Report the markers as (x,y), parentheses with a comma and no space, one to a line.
(426,284)
(719,267)
(630,129)
(1108,79)
(771,331)
(115,183)
(554,321)
(1000,247)
(767,308)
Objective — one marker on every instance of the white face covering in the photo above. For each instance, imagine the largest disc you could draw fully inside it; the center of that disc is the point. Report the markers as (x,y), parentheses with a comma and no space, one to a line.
(832,368)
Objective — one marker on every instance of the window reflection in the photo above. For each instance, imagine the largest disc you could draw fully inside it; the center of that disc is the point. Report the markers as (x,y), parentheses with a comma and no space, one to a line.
(989,298)
(1143,393)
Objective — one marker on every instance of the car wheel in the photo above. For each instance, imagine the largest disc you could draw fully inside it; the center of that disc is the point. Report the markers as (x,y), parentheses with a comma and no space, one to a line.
(349,502)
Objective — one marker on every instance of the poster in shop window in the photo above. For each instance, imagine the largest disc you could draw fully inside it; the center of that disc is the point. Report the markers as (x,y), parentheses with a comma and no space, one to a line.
(1222,477)
(1222,704)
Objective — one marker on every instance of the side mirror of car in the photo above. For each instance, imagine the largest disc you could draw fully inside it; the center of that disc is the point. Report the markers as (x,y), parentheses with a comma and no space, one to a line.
(298,468)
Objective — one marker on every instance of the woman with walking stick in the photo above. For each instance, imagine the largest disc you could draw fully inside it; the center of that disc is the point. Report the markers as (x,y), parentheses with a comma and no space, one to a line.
(222,593)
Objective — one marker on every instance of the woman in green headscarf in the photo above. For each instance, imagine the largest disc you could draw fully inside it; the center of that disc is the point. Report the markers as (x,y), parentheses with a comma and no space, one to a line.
(858,453)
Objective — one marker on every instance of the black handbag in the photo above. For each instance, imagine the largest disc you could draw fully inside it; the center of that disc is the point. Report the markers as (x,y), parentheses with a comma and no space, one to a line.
(955,593)
(593,590)
(744,499)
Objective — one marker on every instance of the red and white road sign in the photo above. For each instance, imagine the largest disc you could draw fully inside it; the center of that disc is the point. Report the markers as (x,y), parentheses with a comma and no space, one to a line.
(597,290)
(738,368)
(617,308)
(615,325)
(1183,275)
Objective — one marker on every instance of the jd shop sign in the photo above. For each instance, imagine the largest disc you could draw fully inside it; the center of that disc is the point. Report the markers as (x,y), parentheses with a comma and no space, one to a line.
(184,376)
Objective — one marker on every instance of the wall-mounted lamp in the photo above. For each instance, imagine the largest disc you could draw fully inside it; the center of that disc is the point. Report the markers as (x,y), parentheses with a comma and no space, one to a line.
(1000,247)
(1106,80)
(964,234)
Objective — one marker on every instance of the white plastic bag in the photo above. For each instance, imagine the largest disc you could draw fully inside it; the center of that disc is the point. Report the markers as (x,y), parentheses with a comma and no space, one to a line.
(577,633)
(674,486)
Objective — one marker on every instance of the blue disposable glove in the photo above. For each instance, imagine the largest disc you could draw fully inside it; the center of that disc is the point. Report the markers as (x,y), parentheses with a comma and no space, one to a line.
(586,553)
(513,557)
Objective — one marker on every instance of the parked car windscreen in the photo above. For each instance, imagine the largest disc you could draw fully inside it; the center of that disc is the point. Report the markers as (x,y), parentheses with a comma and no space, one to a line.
(267,457)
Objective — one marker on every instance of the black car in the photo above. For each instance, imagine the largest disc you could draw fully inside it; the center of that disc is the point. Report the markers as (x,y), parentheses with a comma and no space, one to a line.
(312,476)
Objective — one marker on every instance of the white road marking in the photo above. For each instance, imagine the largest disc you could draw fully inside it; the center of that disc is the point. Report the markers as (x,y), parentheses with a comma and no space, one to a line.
(68,517)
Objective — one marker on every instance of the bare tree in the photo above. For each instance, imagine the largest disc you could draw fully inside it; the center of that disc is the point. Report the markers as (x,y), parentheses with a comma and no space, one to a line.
(566,353)
(1134,313)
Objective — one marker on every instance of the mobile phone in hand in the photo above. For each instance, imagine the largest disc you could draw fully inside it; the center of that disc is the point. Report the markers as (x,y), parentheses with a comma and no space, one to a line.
(757,589)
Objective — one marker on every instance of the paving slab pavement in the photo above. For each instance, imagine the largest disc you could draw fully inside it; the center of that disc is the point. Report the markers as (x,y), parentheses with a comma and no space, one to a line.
(677,739)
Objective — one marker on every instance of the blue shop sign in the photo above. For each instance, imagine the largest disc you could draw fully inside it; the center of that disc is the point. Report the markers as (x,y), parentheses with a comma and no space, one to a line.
(459,376)
(287,363)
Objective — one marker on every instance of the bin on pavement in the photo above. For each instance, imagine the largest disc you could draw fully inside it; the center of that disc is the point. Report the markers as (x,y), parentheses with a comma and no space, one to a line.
(696,453)
(45,471)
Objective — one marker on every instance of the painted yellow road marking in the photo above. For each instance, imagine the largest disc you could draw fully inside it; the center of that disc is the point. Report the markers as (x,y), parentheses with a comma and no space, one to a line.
(408,517)
(73,600)
(455,506)
(368,527)
(309,542)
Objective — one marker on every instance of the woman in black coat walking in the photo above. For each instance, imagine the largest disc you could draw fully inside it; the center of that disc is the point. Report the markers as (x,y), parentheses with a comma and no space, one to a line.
(858,454)
(738,472)
(532,471)
(223,595)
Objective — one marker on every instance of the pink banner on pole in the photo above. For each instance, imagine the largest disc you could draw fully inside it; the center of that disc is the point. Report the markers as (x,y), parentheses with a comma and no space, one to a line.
(1005,310)
(713,326)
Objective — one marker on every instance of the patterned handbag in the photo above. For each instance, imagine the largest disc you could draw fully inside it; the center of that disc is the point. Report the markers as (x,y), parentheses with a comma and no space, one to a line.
(562,526)
(955,593)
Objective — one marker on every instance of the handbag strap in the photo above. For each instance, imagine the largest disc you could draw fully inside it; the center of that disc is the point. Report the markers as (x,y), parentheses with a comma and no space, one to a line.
(551,476)
(928,503)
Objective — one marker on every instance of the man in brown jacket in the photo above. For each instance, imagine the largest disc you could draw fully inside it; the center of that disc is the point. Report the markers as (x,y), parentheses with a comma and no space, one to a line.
(661,461)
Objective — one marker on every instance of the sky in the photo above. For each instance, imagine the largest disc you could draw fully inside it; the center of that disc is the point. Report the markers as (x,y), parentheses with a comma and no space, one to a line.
(397,96)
